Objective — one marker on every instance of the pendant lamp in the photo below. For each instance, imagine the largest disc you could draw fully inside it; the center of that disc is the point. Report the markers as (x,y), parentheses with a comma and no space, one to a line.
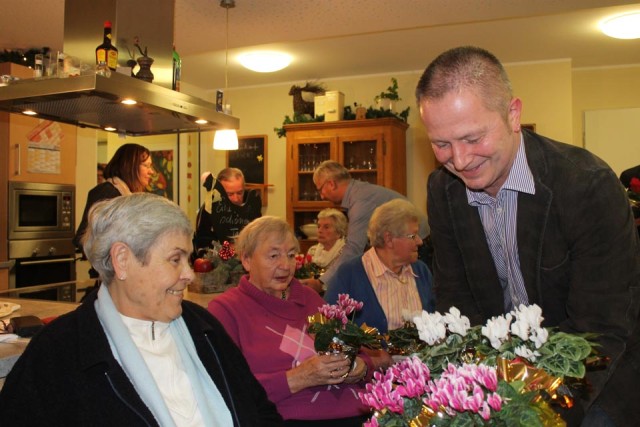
(226,139)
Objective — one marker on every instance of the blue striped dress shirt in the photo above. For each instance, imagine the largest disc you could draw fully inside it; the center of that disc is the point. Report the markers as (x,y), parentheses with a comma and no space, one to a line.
(499,220)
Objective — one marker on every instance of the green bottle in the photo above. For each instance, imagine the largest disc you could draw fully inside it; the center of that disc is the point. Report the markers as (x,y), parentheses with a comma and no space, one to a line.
(177,65)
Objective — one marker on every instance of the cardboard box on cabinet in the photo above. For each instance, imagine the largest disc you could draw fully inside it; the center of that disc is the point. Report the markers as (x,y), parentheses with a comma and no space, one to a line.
(333,106)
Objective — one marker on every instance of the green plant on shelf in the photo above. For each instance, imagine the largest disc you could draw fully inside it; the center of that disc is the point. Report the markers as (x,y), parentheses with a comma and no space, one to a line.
(391,93)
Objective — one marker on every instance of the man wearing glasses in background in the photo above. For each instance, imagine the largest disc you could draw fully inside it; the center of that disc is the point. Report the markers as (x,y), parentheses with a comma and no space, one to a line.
(358,199)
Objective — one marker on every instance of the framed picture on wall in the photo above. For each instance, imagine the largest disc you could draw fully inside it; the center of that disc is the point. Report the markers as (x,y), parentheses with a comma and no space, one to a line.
(165,165)
(251,159)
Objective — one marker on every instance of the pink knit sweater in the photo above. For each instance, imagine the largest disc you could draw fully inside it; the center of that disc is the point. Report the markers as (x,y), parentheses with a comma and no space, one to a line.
(272,334)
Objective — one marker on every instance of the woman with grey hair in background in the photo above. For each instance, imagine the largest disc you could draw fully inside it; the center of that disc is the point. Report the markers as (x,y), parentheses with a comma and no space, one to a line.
(332,230)
(389,279)
(134,353)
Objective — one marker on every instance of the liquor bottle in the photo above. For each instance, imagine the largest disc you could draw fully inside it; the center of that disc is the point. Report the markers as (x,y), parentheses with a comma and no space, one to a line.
(107,52)
(177,70)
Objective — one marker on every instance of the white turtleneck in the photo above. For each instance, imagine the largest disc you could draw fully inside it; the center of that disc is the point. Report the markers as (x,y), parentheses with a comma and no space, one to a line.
(160,353)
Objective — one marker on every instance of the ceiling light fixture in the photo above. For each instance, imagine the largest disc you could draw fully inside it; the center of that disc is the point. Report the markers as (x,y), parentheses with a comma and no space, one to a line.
(625,26)
(226,139)
(129,101)
(265,61)
(29,112)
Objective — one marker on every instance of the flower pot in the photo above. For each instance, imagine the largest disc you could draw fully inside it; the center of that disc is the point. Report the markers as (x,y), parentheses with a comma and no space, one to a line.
(385,103)
(338,347)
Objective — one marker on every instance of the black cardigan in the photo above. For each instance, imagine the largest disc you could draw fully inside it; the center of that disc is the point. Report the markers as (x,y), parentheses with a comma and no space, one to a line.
(68,376)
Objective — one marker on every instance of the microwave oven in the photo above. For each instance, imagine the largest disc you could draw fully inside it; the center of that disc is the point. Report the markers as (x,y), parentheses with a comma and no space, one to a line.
(41,211)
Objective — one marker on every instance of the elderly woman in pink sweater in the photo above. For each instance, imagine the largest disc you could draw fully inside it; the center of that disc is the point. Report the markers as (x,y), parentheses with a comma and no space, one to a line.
(266,315)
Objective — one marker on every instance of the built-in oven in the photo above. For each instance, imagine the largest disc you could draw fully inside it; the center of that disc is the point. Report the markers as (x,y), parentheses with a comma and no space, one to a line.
(40,231)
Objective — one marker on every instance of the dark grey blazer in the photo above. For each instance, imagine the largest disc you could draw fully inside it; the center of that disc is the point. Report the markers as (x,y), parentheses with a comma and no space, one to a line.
(579,256)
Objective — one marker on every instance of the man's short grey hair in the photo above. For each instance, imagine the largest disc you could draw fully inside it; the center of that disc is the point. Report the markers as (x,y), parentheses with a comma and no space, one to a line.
(339,220)
(138,221)
(257,230)
(467,67)
(330,169)
(391,217)
(228,173)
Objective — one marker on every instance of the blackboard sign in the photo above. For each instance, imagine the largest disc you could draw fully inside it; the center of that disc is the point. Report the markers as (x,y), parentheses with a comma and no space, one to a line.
(250,158)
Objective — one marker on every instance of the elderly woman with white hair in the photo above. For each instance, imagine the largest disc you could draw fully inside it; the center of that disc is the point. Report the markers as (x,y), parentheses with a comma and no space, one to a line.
(135,353)
(332,230)
(267,316)
(389,279)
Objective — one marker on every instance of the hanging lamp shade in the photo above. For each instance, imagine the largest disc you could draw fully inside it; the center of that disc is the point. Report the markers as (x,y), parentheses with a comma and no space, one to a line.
(225,139)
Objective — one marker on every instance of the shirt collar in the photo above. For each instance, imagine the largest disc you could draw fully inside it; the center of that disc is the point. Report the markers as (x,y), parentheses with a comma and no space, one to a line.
(379,269)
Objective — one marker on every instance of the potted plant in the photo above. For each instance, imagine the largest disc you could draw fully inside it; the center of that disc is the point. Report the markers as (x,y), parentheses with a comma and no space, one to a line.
(385,100)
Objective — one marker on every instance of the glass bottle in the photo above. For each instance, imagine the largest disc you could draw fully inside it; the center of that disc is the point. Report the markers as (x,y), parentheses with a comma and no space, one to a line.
(177,70)
(107,52)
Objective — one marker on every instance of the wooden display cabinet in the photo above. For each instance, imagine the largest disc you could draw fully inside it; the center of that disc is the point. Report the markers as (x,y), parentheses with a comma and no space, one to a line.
(373,150)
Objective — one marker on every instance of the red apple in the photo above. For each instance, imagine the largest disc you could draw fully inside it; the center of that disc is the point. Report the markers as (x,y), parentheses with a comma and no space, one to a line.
(202,265)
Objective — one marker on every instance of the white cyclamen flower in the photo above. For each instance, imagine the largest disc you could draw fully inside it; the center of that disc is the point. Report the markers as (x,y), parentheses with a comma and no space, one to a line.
(521,329)
(456,323)
(497,330)
(431,327)
(531,315)
(539,336)
(523,351)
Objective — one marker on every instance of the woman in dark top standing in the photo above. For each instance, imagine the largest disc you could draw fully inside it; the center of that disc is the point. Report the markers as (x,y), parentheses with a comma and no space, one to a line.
(129,171)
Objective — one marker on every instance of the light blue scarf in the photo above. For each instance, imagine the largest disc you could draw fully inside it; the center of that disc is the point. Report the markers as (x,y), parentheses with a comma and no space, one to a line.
(212,406)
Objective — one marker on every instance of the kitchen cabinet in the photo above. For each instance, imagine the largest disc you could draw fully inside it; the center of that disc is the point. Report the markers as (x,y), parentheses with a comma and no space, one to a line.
(36,150)
(39,150)
(373,150)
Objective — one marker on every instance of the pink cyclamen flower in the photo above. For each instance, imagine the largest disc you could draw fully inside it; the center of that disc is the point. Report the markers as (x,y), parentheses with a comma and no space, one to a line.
(381,394)
(495,401)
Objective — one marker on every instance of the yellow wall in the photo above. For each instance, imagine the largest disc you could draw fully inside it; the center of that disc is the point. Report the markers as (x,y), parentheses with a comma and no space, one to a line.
(554,98)
(544,87)
(545,90)
(603,88)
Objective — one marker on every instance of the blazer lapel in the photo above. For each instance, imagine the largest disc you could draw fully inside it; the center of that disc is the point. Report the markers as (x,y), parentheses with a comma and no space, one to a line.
(533,214)
(477,260)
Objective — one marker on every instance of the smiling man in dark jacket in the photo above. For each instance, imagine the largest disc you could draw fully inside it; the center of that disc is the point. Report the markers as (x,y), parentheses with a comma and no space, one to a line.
(517,218)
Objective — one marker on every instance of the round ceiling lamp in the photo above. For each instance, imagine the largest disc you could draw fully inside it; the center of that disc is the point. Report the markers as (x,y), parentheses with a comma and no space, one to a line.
(265,61)
(625,26)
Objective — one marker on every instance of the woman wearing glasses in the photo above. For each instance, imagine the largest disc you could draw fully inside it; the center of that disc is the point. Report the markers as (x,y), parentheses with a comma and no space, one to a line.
(388,278)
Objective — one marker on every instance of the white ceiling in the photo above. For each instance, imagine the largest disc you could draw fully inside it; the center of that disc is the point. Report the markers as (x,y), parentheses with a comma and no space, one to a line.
(335,38)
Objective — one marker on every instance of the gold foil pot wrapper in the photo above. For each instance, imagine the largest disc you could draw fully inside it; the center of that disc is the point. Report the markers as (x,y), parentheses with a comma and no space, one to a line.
(424,418)
(536,379)
(317,318)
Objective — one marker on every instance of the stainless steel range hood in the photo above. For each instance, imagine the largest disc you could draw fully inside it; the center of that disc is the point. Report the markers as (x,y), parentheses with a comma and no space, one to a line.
(95,101)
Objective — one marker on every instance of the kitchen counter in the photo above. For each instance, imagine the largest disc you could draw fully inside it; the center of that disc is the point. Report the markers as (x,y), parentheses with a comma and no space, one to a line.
(10,352)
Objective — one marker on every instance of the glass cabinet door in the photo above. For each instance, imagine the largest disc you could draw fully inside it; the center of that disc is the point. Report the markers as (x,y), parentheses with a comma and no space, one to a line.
(361,156)
(307,155)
